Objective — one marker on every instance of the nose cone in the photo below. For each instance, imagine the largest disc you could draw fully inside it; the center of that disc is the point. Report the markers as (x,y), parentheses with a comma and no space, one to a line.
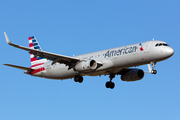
(169,51)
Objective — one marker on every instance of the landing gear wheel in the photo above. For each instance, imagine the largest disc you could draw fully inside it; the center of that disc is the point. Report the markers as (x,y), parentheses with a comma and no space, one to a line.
(78,78)
(153,66)
(81,79)
(154,71)
(110,85)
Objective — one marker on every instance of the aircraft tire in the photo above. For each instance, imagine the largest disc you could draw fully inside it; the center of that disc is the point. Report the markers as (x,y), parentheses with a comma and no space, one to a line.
(154,71)
(112,85)
(78,78)
(108,84)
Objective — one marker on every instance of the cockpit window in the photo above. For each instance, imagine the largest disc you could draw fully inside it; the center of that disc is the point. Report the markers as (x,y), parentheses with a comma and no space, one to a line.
(161,44)
(165,44)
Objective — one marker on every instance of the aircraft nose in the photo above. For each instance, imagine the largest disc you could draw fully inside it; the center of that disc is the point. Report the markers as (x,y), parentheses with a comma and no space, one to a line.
(169,51)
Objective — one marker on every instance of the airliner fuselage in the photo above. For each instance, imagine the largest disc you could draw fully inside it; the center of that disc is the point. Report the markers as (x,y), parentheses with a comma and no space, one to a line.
(113,60)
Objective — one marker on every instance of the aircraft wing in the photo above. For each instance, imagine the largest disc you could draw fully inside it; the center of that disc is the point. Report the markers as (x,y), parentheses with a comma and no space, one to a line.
(50,56)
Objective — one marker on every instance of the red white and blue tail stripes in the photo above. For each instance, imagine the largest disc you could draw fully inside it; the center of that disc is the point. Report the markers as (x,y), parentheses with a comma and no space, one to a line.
(36,62)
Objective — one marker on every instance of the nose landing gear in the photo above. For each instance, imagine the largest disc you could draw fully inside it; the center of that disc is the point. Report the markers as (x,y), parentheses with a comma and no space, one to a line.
(153,66)
(154,71)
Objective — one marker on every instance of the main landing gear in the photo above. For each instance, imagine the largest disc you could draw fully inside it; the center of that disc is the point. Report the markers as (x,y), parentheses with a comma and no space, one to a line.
(110,84)
(153,66)
(78,78)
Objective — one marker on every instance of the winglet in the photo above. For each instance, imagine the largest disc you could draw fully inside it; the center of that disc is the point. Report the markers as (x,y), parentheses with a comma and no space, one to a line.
(7,39)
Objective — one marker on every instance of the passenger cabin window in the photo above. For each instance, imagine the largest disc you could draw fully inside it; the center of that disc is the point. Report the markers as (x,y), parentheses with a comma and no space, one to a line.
(161,44)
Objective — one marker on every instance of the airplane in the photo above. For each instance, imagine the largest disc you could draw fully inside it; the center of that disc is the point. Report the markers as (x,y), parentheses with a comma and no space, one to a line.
(112,62)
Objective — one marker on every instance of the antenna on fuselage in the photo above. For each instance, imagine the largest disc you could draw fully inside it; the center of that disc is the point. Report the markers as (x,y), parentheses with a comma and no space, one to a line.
(153,39)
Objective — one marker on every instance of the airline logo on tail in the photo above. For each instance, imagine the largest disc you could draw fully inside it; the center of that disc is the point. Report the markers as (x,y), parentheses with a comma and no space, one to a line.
(33,43)
(36,62)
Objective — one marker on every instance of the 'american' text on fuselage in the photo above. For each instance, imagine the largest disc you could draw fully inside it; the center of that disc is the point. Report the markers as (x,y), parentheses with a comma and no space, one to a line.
(126,50)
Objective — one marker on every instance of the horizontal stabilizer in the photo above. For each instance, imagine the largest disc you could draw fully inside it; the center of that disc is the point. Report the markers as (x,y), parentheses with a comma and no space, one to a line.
(19,67)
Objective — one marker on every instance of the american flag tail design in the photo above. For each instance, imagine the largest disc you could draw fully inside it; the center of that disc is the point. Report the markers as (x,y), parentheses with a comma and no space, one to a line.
(36,62)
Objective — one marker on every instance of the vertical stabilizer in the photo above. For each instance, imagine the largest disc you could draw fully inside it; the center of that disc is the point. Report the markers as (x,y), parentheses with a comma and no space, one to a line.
(36,62)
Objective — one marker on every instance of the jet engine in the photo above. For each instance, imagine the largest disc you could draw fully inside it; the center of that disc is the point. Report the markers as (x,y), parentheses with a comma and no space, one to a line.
(86,65)
(132,75)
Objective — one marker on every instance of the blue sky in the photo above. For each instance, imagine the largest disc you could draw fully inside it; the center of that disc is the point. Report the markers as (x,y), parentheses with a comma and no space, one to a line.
(77,27)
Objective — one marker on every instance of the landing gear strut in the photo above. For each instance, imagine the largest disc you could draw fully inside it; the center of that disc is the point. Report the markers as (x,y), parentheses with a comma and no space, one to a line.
(153,66)
(78,78)
(110,84)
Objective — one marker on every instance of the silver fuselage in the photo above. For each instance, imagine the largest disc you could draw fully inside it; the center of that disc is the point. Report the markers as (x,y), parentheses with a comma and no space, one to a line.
(112,60)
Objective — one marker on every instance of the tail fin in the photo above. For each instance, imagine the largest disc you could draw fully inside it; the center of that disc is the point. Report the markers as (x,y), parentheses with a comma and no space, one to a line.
(36,62)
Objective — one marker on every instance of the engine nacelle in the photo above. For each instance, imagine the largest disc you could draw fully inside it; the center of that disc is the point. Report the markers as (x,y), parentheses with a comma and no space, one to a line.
(86,65)
(133,75)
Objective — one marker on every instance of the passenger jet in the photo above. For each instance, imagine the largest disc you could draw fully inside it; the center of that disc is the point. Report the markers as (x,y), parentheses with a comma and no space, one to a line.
(115,61)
